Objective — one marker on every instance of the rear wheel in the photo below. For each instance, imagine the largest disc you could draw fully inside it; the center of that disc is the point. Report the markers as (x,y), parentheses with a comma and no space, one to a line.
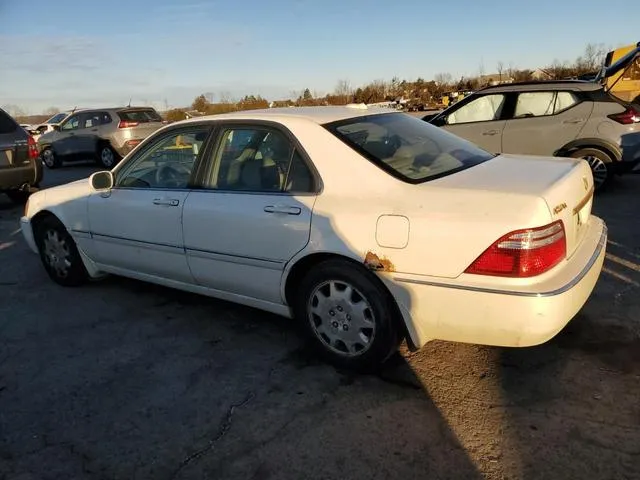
(18,196)
(106,156)
(600,163)
(348,315)
(50,159)
(59,254)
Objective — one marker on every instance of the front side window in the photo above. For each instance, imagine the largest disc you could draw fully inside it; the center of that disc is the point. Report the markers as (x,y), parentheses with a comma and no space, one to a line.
(167,163)
(483,109)
(72,124)
(259,160)
(408,147)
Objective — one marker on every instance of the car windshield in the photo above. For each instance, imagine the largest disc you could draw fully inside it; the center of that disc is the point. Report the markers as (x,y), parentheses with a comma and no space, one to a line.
(57,118)
(407,147)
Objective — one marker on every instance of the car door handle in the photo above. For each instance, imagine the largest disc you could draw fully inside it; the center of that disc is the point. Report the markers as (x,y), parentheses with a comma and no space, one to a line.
(283,209)
(491,132)
(574,120)
(169,202)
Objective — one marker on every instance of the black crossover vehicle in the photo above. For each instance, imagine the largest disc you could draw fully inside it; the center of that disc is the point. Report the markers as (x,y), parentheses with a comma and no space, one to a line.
(20,167)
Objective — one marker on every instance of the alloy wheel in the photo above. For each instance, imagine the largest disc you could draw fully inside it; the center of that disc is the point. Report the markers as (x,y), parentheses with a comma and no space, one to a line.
(57,253)
(599,170)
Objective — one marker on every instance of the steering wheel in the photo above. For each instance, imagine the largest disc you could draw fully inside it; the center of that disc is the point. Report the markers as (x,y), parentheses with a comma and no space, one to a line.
(172,175)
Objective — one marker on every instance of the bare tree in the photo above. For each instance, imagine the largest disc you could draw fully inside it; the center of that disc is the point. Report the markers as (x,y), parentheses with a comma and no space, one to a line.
(343,91)
(15,111)
(591,59)
(51,111)
(443,79)
(500,68)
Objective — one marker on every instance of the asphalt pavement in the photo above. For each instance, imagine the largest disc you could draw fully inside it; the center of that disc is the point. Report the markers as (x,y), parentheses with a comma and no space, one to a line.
(125,380)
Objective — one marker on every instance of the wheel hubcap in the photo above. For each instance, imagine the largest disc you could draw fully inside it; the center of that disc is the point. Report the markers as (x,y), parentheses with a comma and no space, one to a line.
(47,156)
(57,253)
(107,157)
(598,168)
(341,318)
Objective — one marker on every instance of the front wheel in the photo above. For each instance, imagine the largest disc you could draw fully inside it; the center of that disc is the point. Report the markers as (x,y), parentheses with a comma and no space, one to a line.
(348,314)
(50,159)
(600,163)
(59,254)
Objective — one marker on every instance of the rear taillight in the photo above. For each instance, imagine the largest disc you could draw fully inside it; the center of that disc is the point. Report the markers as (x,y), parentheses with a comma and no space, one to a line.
(523,253)
(125,124)
(33,148)
(628,117)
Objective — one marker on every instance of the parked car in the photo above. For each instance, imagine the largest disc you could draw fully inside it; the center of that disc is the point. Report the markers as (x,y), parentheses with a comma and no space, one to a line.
(50,124)
(20,170)
(105,134)
(577,119)
(364,224)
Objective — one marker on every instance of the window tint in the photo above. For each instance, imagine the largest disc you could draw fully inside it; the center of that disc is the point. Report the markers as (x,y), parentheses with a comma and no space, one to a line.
(167,163)
(408,147)
(259,160)
(7,124)
(140,116)
(57,118)
(482,109)
(90,120)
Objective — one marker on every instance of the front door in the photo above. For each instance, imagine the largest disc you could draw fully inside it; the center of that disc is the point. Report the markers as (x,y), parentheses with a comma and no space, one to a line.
(253,213)
(479,121)
(137,226)
(543,122)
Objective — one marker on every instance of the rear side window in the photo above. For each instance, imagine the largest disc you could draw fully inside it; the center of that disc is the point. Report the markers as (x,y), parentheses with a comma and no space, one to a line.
(407,147)
(140,116)
(540,104)
(7,124)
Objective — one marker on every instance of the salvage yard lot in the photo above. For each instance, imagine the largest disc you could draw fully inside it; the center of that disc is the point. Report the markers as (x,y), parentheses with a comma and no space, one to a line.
(125,380)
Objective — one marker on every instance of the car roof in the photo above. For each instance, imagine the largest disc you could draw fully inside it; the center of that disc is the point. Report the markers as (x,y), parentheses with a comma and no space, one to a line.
(581,85)
(320,115)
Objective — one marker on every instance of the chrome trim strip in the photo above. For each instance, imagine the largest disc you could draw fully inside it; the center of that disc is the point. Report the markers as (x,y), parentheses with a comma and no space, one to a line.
(558,291)
(163,247)
(238,259)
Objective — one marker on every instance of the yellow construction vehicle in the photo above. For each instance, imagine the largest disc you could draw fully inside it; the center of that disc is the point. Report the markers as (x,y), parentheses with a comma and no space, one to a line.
(625,82)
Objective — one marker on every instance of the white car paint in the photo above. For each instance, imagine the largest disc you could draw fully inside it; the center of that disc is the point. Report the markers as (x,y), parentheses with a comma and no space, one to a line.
(424,235)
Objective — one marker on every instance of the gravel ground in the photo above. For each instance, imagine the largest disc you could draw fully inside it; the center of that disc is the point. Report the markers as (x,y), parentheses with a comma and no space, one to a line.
(125,380)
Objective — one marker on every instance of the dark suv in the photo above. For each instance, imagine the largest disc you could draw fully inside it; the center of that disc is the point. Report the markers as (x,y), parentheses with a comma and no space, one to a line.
(20,168)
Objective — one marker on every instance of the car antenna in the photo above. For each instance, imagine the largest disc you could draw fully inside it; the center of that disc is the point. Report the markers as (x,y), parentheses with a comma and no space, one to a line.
(129,102)
(74,109)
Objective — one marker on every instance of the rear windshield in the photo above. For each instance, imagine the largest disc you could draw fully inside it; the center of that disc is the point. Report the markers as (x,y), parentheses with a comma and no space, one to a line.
(140,116)
(7,124)
(408,147)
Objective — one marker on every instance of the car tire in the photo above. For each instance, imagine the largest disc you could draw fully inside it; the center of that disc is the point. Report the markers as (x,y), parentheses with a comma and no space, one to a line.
(106,156)
(18,197)
(600,163)
(50,159)
(329,315)
(59,253)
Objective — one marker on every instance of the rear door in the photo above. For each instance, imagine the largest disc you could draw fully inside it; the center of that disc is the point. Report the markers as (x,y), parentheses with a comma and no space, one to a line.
(479,120)
(252,214)
(544,121)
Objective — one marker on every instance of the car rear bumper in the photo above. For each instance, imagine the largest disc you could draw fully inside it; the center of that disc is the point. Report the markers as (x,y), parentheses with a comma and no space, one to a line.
(508,318)
(27,233)
(16,177)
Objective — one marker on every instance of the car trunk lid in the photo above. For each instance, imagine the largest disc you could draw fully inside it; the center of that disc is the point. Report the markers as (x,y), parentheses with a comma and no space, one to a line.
(140,122)
(565,185)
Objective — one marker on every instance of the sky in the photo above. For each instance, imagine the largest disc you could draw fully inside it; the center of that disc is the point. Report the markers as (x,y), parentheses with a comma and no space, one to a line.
(90,53)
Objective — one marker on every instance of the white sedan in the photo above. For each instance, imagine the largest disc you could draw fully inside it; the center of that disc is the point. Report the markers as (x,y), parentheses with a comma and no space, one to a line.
(365,225)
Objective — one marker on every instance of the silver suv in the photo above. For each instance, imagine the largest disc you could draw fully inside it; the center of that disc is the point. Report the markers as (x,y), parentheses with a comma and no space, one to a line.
(105,134)
(571,118)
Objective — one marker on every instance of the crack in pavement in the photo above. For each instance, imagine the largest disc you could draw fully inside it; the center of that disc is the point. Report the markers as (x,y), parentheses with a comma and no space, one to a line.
(225,425)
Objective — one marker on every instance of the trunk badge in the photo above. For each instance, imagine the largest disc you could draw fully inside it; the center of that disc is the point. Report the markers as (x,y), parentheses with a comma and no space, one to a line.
(559,208)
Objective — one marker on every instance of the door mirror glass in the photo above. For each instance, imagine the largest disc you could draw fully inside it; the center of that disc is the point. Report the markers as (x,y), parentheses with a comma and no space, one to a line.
(101,181)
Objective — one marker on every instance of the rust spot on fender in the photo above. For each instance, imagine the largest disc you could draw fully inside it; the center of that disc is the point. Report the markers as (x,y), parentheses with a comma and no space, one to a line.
(378,264)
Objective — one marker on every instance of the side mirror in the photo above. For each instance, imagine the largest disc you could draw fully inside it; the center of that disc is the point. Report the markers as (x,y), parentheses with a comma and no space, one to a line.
(101,181)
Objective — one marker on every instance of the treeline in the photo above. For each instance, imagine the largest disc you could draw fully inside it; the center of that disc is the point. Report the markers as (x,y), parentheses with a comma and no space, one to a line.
(420,92)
